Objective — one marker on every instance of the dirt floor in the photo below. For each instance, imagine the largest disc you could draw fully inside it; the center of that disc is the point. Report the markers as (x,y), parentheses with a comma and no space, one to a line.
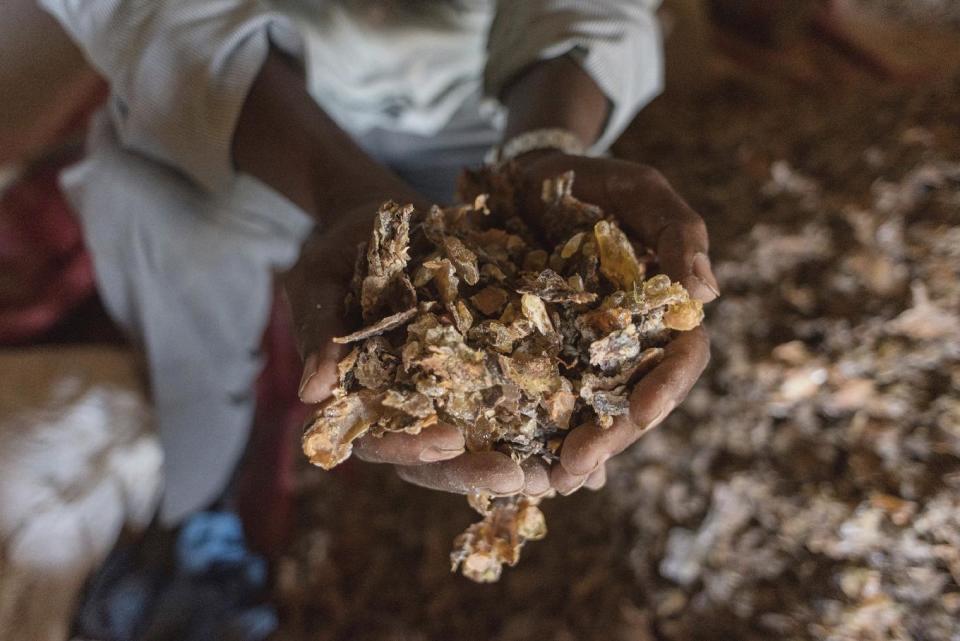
(810,486)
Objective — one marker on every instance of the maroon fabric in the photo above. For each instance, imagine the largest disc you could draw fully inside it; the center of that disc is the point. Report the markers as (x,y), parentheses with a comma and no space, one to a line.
(46,274)
(45,271)
(265,482)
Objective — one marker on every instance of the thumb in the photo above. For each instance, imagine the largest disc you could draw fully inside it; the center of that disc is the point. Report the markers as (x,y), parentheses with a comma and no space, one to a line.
(320,373)
(317,307)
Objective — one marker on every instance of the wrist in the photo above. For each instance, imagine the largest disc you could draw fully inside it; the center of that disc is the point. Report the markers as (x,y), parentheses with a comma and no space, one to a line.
(532,101)
(557,140)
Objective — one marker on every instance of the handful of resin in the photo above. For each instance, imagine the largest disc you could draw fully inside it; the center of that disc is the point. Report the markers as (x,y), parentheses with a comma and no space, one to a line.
(473,319)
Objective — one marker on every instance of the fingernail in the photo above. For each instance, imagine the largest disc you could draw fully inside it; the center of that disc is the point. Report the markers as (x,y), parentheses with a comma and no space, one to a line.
(505,491)
(434,454)
(659,417)
(701,269)
(511,492)
(574,488)
(596,466)
(447,439)
(537,495)
(309,371)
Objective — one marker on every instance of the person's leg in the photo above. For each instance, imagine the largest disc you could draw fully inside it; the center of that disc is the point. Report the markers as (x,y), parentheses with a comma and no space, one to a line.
(190,277)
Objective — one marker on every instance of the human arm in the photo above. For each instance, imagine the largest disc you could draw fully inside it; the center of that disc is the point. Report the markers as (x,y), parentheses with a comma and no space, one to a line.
(531,100)
(43,88)
(566,92)
(216,89)
(284,139)
(616,43)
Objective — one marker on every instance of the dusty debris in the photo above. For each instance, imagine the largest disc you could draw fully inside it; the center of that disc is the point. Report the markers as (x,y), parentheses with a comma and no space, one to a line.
(493,341)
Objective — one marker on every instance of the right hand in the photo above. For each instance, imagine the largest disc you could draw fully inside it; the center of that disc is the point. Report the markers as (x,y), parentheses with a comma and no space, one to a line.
(316,288)
(286,140)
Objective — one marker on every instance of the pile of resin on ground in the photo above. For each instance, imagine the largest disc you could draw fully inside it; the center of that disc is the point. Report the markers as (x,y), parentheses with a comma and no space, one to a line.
(467,320)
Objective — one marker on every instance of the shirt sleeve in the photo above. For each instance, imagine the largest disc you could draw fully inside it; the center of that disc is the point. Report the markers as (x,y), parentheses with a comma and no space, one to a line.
(179,72)
(617,42)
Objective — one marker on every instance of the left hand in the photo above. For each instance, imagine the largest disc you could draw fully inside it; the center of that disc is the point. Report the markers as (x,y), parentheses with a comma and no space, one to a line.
(646,205)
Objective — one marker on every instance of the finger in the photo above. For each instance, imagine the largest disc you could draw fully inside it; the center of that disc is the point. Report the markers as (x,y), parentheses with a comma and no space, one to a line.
(319,377)
(317,306)
(682,259)
(536,477)
(659,392)
(435,443)
(564,482)
(468,473)
(587,447)
(318,318)
(597,480)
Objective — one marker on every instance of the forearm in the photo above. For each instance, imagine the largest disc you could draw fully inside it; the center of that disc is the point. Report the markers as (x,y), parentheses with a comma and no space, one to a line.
(42,87)
(286,140)
(614,43)
(556,93)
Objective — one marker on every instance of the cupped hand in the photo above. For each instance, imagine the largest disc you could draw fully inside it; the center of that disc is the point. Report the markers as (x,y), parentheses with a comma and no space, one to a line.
(316,288)
(650,211)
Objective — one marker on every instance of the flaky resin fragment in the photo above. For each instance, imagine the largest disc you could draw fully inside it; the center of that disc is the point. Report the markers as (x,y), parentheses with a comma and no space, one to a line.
(470,321)
(482,551)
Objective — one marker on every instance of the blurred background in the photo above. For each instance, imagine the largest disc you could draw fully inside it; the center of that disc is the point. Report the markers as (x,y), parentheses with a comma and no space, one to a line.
(809,488)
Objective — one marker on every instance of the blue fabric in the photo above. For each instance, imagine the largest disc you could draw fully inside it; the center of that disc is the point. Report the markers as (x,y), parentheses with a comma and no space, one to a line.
(208,587)
(211,540)
(117,598)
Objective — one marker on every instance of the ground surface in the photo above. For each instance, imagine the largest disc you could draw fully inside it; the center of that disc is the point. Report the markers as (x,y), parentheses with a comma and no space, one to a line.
(810,486)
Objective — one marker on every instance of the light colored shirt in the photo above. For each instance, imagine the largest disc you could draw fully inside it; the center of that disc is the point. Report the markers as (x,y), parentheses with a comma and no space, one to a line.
(185,249)
(180,69)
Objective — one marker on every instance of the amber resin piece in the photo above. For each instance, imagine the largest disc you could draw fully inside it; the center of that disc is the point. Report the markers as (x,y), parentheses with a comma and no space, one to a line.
(470,322)
(336,424)
(490,300)
(683,316)
(618,261)
(508,523)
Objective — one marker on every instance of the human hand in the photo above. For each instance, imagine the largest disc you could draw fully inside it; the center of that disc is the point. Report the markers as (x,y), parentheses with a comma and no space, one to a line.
(316,288)
(650,210)
(286,140)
